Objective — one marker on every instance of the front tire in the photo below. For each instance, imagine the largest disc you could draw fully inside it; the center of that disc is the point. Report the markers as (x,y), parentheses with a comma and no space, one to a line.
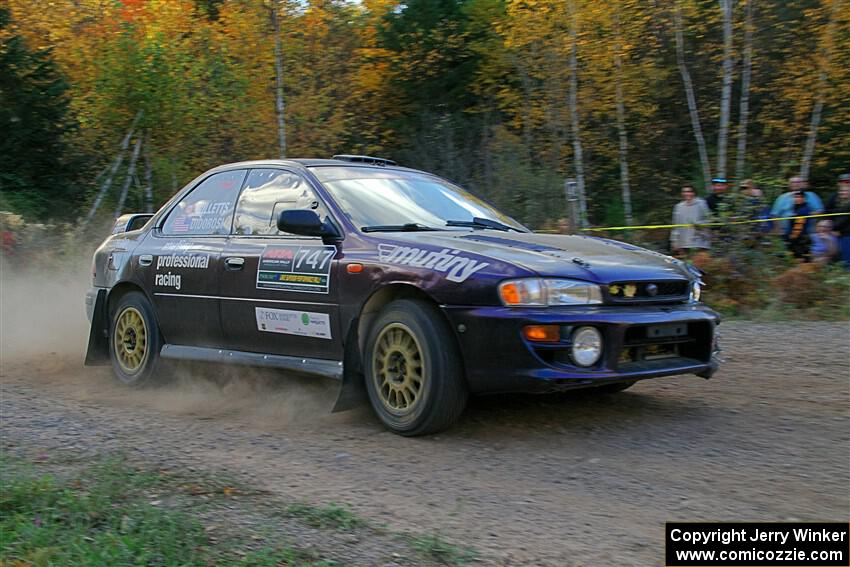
(414,375)
(135,341)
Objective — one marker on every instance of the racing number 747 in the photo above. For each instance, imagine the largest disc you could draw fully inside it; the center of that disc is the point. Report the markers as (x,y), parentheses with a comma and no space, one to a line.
(312,258)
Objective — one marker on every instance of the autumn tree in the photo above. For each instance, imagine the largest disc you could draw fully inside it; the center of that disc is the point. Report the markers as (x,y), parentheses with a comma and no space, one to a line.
(35,178)
(508,97)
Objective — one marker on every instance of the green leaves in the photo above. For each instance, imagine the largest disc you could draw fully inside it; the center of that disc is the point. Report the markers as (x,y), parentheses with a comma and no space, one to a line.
(476,90)
(33,115)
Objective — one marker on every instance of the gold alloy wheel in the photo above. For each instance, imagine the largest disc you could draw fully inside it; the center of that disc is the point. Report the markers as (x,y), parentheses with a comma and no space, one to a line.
(130,340)
(399,368)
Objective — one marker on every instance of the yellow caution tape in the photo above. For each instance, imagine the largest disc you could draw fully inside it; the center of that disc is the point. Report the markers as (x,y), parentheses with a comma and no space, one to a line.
(749,221)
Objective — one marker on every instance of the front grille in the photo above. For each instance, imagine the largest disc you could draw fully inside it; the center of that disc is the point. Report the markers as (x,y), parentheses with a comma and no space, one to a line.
(661,291)
(671,342)
(639,347)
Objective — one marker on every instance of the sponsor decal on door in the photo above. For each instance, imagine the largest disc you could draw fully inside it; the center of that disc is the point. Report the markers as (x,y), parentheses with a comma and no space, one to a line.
(296,268)
(182,260)
(287,322)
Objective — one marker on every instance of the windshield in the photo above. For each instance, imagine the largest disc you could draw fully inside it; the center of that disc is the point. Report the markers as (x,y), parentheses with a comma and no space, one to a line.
(372,197)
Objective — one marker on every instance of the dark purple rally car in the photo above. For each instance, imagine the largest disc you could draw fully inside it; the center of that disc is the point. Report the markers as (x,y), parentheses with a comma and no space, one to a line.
(392,280)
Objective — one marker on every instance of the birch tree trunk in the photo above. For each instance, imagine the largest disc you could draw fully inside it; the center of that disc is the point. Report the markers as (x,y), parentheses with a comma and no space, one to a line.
(689,93)
(726,92)
(131,174)
(809,149)
(278,80)
(621,118)
(148,175)
(744,112)
(817,109)
(578,156)
(107,183)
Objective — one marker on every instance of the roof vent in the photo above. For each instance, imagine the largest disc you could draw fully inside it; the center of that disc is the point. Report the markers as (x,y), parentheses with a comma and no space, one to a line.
(365,159)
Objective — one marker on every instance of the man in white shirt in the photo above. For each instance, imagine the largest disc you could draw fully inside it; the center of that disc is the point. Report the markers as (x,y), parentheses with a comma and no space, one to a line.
(691,210)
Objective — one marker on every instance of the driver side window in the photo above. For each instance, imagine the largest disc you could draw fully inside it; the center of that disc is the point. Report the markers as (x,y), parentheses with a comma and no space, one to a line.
(267,193)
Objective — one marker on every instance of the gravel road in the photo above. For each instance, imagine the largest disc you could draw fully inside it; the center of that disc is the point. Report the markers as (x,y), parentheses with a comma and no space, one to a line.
(525,480)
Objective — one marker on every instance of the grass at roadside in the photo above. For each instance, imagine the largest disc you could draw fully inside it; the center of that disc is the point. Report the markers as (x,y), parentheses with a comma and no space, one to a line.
(330,516)
(105,516)
(91,512)
(440,550)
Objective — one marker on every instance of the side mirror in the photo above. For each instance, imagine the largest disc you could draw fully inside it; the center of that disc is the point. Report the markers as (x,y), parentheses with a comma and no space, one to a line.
(305,222)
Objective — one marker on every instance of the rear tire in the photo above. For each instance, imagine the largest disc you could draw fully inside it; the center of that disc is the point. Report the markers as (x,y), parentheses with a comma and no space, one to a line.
(135,342)
(414,375)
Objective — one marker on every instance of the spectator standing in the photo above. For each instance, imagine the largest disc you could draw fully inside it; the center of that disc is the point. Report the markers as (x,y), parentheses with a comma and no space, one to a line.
(797,233)
(719,185)
(824,243)
(750,205)
(564,226)
(753,205)
(784,204)
(840,203)
(690,210)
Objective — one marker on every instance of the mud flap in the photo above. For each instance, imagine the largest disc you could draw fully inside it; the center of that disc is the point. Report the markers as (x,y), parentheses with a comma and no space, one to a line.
(352,392)
(352,389)
(97,353)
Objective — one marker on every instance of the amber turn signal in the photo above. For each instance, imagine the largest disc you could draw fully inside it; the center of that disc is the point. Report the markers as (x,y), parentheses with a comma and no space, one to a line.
(542,333)
(510,293)
(354,268)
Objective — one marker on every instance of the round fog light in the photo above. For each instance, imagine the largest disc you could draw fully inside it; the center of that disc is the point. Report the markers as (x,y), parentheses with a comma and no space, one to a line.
(587,346)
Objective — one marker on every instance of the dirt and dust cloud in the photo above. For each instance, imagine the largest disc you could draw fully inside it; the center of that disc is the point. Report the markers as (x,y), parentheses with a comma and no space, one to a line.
(43,338)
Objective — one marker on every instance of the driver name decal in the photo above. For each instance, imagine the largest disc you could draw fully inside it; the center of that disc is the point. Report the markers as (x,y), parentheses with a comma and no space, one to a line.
(447,261)
(296,268)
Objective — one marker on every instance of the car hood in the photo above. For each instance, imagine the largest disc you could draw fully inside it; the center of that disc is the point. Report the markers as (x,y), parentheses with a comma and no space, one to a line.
(552,255)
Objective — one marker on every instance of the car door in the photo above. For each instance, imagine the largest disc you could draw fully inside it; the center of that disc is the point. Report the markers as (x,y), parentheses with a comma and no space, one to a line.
(279,291)
(181,261)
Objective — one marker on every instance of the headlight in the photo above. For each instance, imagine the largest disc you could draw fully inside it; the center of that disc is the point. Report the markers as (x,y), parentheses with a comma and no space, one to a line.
(696,291)
(587,346)
(540,292)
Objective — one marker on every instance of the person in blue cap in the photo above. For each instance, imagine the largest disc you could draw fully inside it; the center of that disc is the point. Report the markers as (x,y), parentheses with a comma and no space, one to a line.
(719,185)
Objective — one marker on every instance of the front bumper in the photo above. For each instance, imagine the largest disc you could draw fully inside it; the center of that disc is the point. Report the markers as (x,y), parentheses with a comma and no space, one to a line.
(498,358)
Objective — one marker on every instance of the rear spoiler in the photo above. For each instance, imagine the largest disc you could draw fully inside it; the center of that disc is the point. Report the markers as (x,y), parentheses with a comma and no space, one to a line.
(131,221)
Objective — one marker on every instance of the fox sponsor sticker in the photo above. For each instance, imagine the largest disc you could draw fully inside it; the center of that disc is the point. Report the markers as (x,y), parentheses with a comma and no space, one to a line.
(296,268)
(288,322)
